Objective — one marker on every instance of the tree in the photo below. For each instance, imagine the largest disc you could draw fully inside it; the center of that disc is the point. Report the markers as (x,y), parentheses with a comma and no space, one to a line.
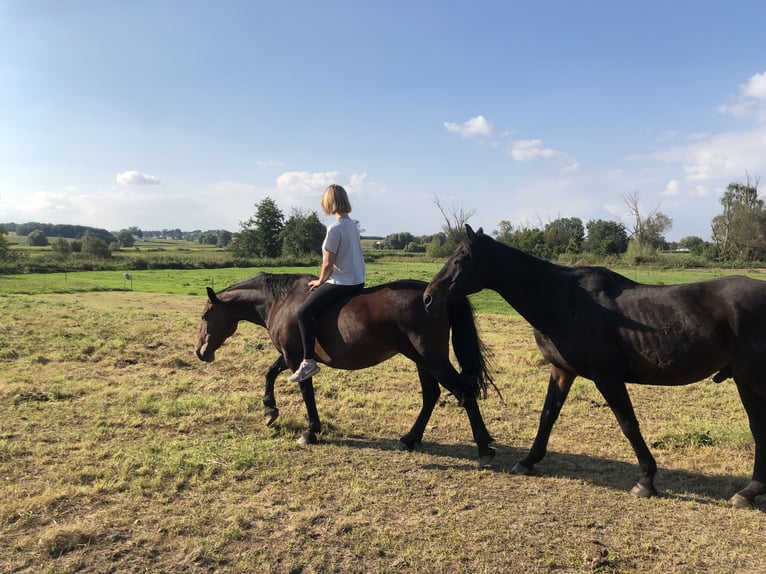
(398,240)
(606,237)
(647,231)
(95,247)
(62,247)
(259,236)
(738,232)
(37,238)
(455,219)
(303,234)
(690,242)
(530,240)
(504,232)
(564,235)
(125,238)
(5,249)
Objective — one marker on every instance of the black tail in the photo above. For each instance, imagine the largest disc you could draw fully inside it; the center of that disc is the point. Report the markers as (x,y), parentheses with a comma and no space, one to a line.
(471,353)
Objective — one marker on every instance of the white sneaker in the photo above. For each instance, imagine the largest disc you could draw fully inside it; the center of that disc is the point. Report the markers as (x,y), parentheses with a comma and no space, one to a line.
(305,371)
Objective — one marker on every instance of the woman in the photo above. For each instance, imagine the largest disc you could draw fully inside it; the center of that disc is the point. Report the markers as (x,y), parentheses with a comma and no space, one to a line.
(341,275)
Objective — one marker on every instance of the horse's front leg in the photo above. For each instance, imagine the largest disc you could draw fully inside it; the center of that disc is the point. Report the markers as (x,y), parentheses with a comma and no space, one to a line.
(558,388)
(309,436)
(270,410)
(616,394)
(451,381)
(430,395)
(480,433)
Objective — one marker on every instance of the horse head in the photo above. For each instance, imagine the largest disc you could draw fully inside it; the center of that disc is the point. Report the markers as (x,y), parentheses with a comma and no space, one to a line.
(461,275)
(219,322)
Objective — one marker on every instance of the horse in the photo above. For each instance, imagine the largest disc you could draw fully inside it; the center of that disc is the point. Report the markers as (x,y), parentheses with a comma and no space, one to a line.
(598,324)
(361,331)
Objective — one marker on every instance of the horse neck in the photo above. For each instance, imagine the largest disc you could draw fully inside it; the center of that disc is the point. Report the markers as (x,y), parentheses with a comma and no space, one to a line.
(251,307)
(530,285)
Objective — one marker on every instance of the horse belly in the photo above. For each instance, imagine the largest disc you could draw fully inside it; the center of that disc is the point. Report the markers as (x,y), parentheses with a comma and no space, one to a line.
(353,353)
(674,357)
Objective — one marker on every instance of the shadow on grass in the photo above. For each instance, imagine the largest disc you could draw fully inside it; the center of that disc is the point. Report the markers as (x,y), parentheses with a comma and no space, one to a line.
(617,475)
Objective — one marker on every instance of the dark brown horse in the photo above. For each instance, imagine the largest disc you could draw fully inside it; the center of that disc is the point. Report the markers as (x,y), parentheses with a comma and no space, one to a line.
(365,330)
(591,322)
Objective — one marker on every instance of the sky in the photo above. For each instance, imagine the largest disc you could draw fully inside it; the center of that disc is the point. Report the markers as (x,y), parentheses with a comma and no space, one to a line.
(167,114)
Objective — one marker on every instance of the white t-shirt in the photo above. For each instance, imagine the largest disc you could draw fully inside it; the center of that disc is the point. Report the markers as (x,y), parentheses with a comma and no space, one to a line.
(344,240)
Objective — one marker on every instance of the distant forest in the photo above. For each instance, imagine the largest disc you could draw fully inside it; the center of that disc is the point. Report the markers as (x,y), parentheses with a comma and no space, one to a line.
(59,230)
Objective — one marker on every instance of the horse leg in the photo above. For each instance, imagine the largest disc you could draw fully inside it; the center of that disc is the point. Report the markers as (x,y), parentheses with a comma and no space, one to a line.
(558,388)
(616,394)
(270,410)
(479,429)
(755,406)
(430,394)
(309,436)
(450,379)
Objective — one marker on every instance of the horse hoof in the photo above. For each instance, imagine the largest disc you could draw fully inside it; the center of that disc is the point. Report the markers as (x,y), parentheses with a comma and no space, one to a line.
(739,501)
(642,491)
(519,468)
(307,439)
(403,446)
(485,460)
(270,415)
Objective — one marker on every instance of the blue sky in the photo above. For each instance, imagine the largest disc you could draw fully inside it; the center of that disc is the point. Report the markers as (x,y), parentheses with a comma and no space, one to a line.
(185,114)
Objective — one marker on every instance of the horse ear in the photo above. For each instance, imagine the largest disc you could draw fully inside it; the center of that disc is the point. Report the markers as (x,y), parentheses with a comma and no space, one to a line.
(212,296)
(470,233)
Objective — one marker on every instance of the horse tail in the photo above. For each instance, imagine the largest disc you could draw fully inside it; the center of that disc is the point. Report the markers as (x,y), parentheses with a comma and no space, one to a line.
(471,353)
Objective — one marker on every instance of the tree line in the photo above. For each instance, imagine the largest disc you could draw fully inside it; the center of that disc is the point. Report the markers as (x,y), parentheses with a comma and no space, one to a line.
(738,234)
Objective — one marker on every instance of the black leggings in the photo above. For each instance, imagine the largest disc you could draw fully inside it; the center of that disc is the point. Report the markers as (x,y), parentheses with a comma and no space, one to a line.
(317,301)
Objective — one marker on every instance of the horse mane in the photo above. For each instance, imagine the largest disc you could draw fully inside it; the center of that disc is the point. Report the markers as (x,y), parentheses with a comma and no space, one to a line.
(275,283)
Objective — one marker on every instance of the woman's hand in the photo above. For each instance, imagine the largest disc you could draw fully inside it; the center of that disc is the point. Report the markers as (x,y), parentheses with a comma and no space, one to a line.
(313,284)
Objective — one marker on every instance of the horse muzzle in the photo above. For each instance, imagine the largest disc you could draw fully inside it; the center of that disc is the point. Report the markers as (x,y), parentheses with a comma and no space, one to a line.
(203,354)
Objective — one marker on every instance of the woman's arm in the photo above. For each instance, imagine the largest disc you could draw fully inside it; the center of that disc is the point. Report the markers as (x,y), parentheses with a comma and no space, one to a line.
(328,261)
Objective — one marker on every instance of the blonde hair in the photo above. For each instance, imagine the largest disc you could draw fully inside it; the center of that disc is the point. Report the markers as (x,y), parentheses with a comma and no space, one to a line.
(335,200)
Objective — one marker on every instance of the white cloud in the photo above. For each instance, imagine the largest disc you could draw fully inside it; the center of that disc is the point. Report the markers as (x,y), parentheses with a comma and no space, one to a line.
(755,87)
(477,126)
(672,189)
(533,150)
(298,184)
(132,177)
(751,100)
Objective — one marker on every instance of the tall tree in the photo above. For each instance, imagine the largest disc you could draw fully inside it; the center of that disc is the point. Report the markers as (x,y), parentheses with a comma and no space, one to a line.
(606,237)
(647,230)
(455,218)
(303,234)
(564,235)
(739,231)
(259,236)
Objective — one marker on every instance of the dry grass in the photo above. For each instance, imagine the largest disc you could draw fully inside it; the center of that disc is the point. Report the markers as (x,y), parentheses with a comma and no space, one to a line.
(119,452)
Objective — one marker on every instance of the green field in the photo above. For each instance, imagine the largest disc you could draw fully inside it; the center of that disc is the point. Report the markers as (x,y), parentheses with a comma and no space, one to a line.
(193,282)
(121,452)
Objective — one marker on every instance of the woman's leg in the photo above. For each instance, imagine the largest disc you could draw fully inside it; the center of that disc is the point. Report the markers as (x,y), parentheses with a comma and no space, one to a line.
(318,300)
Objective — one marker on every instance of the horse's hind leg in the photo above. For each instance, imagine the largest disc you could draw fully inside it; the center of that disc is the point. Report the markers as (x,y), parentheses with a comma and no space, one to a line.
(558,388)
(430,394)
(616,395)
(755,406)
(270,410)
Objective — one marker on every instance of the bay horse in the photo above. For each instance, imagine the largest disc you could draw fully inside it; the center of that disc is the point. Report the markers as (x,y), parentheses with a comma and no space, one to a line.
(364,330)
(592,322)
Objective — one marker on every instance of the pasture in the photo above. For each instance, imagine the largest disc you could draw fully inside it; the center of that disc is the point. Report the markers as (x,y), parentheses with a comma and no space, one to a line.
(121,452)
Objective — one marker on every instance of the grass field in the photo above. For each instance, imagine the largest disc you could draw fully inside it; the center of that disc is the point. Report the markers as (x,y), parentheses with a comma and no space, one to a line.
(121,452)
